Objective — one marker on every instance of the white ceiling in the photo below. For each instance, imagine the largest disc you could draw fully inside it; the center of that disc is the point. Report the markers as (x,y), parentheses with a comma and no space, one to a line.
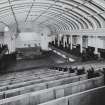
(58,15)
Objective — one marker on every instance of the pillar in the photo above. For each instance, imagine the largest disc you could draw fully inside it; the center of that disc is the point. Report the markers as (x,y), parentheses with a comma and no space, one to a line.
(87,42)
(58,40)
(71,42)
(64,41)
(96,45)
(10,40)
(81,44)
(67,41)
(54,40)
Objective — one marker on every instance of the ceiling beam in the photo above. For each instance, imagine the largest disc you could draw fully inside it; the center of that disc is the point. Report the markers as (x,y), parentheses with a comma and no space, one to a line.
(4,23)
(29,11)
(86,32)
(45,10)
(13,15)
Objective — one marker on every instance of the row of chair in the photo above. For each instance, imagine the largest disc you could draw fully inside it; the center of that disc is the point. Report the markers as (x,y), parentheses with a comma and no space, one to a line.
(86,55)
(79,71)
(75,51)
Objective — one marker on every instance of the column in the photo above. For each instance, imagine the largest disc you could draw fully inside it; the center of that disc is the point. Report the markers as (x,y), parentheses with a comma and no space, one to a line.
(81,44)
(58,41)
(86,41)
(96,45)
(54,40)
(67,41)
(71,41)
(64,41)
(9,40)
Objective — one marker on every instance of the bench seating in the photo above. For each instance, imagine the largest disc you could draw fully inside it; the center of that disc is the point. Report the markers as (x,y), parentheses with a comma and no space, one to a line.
(34,98)
(94,96)
(41,86)
(40,80)
(8,82)
(30,77)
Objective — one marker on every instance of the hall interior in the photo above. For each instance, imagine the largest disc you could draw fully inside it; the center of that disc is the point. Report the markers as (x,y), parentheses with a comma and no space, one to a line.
(52,52)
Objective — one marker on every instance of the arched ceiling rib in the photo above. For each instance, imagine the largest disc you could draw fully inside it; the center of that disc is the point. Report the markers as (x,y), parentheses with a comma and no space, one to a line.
(58,15)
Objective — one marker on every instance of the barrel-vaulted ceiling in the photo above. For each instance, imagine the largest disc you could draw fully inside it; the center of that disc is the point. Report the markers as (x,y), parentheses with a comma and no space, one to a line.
(58,15)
